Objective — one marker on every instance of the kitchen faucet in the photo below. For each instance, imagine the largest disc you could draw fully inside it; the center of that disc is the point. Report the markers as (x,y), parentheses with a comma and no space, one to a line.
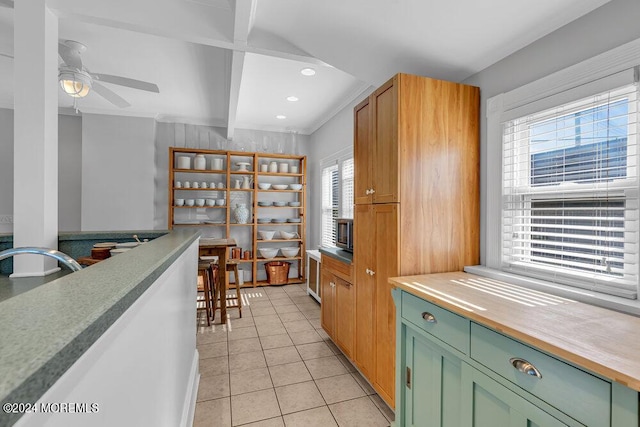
(71,263)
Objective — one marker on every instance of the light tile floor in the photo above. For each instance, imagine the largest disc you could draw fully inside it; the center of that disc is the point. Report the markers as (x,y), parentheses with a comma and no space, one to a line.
(276,367)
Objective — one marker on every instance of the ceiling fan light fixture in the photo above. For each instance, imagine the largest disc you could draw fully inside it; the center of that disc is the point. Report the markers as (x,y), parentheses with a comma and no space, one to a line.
(281,117)
(74,83)
(292,98)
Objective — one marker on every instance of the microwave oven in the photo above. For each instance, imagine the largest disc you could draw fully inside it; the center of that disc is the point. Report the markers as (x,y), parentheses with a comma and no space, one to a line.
(344,234)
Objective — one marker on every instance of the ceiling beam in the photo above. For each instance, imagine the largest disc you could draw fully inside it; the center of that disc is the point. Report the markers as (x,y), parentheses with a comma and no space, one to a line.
(245,12)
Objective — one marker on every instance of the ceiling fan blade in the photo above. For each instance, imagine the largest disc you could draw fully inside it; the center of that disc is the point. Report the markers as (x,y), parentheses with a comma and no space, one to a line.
(6,55)
(124,81)
(6,3)
(70,56)
(109,95)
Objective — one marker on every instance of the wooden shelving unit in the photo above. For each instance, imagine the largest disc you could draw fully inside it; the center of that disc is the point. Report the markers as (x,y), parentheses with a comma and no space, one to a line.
(219,221)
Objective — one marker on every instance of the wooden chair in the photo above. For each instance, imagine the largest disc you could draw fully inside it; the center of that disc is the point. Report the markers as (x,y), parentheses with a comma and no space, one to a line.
(204,284)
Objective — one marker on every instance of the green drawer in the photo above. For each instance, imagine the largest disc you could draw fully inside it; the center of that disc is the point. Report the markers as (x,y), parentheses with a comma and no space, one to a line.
(577,393)
(445,325)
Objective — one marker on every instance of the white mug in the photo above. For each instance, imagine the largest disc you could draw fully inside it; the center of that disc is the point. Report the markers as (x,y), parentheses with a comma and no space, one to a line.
(221,185)
(187,184)
(294,169)
(264,167)
(178,184)
(203,184)
(195,184)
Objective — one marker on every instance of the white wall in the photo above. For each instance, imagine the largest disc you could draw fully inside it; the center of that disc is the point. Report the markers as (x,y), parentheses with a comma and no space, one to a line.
(117,172)
(6,168)
(333,136)
(603,29)
(69,172)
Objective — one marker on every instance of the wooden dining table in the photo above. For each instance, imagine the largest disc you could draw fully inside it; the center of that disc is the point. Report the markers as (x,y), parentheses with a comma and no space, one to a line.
(219,248)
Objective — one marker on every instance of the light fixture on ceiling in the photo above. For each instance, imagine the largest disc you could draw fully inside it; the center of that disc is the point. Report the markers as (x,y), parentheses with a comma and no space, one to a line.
(281,117)
(74,82)
(292,98)
(308,72)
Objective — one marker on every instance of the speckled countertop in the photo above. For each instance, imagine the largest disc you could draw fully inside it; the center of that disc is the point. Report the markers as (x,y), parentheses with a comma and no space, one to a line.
(44,331)
(339,254)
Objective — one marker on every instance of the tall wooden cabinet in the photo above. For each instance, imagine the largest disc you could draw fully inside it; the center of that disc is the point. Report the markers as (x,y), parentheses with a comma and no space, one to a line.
(416,152)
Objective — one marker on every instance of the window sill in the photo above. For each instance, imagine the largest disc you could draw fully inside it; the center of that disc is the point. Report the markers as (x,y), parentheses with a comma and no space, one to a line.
(594,298)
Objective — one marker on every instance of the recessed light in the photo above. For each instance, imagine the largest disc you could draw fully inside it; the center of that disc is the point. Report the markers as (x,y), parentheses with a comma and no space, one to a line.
(281,117)
(308,72)
(292,98)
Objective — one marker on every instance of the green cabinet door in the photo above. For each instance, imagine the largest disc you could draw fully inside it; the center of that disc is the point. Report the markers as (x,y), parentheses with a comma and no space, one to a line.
(431,384)
(489,404)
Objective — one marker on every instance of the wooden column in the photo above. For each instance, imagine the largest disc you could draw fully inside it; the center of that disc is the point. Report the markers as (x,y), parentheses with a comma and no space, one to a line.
(35,194)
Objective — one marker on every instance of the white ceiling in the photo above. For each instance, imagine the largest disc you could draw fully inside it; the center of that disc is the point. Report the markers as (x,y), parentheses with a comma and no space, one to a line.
(232,63)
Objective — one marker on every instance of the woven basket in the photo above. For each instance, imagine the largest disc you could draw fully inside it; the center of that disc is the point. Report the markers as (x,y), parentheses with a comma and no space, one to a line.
(277,272)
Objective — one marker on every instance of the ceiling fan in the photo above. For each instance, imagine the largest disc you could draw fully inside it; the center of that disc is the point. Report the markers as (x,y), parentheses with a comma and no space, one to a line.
(76,80)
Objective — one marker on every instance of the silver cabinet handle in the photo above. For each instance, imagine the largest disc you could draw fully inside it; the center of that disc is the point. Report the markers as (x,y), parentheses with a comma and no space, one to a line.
(525,367)
(429,317)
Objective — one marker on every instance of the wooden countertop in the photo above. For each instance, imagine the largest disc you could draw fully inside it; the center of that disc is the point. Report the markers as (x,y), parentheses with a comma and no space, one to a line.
(603,341)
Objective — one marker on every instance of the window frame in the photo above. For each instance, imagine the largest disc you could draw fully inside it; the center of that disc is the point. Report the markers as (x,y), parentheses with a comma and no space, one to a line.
(606,71)
(336,159)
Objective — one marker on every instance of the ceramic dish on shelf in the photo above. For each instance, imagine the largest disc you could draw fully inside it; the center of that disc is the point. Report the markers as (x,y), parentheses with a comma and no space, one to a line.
(264,186)
(118,251)
(187,222)
(295,186)
(126,245)
(294,220)
(265,204)
(288,235)
(268,252)
(214,222)
(243,166)
(278,220)
(290,252)
(264,220)
(294,204)
(280,186)
(266,234)
(280,204)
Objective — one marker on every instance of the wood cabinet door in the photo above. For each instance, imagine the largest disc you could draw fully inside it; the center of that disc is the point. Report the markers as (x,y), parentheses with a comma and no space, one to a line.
(431,384)
(363,261)
(345,315)
(362,152)
(387,254)
(384,170)
(487,403)
(328,305)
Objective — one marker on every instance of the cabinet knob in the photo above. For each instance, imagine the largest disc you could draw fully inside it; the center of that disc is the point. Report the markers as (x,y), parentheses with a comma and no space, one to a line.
(428,317)
(367,271)
(367,192)
(371,272)
(525,367)
(372,191)
(333,285)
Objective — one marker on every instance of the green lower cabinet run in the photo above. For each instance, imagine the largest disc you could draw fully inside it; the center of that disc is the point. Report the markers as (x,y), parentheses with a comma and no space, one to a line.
(487,403)
(440,384)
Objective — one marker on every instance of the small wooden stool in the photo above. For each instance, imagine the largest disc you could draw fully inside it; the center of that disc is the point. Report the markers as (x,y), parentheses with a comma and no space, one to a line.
(207,280)
(220,289)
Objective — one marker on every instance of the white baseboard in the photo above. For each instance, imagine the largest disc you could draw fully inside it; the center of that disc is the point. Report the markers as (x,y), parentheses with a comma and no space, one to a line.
(189,409)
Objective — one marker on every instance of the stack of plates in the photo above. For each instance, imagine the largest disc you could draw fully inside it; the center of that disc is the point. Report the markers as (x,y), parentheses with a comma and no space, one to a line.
(294,220)
(264,220)
(278,220)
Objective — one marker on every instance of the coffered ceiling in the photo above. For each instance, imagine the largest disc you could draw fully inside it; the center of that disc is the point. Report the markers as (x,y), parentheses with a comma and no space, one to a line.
(233,63)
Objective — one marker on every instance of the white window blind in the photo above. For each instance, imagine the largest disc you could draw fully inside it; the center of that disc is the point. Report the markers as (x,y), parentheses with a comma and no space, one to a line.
(347,188)
(330,205)
(570,193)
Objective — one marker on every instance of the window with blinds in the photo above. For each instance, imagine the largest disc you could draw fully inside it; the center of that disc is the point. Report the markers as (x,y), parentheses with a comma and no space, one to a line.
(337,193)
(330,204)
(570,193)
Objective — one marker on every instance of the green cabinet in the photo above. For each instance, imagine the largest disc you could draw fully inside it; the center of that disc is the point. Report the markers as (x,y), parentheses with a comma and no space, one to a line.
(486,403)
(453,371)
(434,397)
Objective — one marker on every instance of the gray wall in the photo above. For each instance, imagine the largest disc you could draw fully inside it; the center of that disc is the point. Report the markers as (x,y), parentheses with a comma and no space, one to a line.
(603,29)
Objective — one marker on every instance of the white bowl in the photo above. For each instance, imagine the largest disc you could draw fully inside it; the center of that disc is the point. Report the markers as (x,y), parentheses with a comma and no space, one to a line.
(118,251)
(290,252)
(294,204)
(280,186)
(179,202)
(219,202)
(199,202)
(295,186)
(264,186)
(210,202)
(268,252)
(189,202)
(266,234)
(287,235)
(127,245)
(280,204)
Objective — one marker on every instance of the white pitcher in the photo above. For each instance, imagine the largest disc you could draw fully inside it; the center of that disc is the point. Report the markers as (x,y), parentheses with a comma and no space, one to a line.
(246,182)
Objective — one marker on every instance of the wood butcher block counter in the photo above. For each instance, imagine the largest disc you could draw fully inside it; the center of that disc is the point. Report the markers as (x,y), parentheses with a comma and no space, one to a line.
(603,341)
